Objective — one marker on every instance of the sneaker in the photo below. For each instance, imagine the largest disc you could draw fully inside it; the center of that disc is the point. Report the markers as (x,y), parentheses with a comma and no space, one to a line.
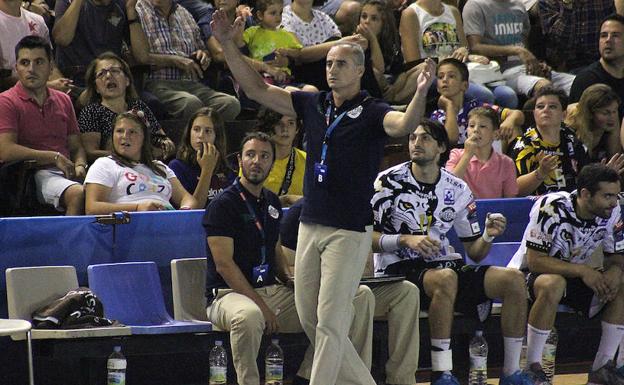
(607,375)
(517,378)
(536,373)
(446,379)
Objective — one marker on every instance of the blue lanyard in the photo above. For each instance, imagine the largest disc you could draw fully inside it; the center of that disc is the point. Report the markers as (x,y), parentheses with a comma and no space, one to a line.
(329,131)
(252,212)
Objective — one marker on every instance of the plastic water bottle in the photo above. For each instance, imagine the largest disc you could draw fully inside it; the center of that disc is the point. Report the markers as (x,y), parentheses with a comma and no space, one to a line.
(218,365)
(116,367)
(548,355)
(274,364)
(478,360)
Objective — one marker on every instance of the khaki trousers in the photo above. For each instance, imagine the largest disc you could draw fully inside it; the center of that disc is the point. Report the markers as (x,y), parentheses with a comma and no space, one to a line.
(399,303)
(329,263)
(239,315)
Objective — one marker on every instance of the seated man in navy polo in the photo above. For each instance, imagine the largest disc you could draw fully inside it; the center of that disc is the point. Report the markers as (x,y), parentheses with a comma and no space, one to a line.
(248,284)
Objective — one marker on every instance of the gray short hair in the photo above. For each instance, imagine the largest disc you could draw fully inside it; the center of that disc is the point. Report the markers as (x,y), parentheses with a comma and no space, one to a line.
(356,51)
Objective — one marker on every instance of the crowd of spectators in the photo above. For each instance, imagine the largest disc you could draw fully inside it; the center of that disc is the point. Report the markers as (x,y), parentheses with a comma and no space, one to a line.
(87,84)
(160,58)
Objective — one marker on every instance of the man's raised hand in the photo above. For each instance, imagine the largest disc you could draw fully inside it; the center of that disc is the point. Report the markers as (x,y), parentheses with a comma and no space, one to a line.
(222,29)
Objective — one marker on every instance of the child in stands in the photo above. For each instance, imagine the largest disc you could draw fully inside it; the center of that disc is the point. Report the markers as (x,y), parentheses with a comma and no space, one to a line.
(200,163)
(264,39)
(454,107)
(488,173)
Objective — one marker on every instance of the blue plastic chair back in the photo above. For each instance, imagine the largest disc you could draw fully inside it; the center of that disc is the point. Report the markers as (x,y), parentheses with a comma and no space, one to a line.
(132,294)
(500,254)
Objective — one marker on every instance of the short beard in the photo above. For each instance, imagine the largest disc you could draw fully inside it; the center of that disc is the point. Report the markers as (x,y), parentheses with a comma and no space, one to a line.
(256,181)
(423,162)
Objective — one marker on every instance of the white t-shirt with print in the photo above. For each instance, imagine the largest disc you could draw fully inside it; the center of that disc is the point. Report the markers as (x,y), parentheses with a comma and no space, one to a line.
(13,29)
(131,184)
(317,31)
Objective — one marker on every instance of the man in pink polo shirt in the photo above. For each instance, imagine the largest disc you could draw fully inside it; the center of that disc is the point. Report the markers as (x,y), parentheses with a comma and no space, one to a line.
(37,122)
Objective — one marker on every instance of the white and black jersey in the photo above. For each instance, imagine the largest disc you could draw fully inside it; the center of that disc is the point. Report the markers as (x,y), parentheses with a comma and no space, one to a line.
(556,230)
(402,205)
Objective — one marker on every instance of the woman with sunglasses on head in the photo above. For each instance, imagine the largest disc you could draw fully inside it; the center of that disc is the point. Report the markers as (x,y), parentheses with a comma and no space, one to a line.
(200,164)
(130,179)
(110,91)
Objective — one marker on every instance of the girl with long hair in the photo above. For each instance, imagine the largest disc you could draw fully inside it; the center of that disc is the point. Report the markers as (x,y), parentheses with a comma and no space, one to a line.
(200,164)
(130,179)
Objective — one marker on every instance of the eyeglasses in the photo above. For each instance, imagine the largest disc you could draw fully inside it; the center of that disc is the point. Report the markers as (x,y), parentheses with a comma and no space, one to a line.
(114,71)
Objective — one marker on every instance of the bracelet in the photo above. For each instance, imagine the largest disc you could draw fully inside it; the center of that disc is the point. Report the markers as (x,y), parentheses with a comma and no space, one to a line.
(487,238)
(82,165)
(57,156)
(389,242)
(132,21)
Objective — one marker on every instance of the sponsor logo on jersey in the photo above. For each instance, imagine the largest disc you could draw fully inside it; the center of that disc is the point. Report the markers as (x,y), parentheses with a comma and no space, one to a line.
(447,214)
(273,212)
(354,113)
(449,196)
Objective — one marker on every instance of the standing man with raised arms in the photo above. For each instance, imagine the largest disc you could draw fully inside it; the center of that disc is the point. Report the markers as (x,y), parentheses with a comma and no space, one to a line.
(346,131)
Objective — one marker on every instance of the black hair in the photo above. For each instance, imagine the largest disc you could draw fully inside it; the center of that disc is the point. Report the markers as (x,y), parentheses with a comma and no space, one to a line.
(459,65)
(552,91)
(261,136)
(439,134)
(267,119)
(594,173)
(33,42)
(612,17)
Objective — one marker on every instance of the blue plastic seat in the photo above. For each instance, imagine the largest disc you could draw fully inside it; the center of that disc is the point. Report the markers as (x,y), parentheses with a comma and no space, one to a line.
(132,294)
(500,254)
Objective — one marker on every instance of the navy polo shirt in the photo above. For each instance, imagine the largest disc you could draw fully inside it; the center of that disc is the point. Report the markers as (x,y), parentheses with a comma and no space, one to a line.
(353,157)
(228,216)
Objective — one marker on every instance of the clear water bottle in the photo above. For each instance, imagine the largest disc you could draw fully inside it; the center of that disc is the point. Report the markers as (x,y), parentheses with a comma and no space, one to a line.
(548,355)
(116,366)
(478,360)
(274,364)
(218,365)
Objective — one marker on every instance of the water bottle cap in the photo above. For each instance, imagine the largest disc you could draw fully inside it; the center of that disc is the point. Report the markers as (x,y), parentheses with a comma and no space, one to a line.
(219,343)
(479,333)
(275,341)
(117,349)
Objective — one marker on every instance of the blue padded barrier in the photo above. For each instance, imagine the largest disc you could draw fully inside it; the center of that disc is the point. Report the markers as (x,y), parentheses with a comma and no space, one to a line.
(516,210)
(48,241)
(153,236)
(500,254)
(132,294)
